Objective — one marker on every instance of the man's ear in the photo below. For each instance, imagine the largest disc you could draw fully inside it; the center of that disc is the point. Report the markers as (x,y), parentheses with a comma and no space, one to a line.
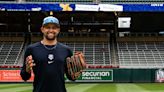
(41,29)
(58,30)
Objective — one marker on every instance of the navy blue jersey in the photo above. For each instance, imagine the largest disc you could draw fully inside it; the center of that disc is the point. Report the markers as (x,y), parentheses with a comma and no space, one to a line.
(50,67)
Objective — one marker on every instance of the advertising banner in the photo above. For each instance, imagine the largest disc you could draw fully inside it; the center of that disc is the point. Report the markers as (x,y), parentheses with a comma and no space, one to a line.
(97,75)
(93,75)
(12,76)
(160,75)
(81,7)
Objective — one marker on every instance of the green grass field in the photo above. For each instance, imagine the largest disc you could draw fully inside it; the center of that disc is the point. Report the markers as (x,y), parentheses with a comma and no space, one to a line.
(92,87)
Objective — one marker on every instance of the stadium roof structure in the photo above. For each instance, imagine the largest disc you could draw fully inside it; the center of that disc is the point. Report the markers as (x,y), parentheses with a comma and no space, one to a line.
(81,7)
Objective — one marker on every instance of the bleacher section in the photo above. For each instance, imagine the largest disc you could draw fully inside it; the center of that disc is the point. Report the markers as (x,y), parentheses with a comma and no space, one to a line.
(96,53)
(131,52)
(141,54)
(11,47)
(10,52)
(95,46)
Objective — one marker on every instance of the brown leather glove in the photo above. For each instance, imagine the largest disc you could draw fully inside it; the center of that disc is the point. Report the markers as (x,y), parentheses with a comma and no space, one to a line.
(75,65)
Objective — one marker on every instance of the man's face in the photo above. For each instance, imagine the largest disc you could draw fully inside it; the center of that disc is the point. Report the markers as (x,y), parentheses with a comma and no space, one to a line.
(50,31)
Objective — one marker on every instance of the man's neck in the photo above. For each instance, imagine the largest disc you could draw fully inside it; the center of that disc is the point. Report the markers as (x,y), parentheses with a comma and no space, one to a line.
(49,42)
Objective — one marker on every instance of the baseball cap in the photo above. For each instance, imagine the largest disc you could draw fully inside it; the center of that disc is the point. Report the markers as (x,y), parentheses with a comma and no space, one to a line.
(50,19)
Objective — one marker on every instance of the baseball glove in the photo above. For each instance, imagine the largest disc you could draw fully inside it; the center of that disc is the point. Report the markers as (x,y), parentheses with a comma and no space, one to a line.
(75,65)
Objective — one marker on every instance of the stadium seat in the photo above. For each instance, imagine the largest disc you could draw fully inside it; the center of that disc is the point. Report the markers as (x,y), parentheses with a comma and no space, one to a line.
(140,54)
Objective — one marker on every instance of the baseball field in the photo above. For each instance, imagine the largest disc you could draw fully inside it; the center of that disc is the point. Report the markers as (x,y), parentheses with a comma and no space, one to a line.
(91,87)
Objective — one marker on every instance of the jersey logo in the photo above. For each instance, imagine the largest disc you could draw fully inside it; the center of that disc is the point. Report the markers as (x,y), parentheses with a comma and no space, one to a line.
(50,56)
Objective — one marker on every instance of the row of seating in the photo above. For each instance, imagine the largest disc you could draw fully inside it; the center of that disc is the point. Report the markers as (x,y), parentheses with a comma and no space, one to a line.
(102,66)
(130,54)
(10,52)
(141,54)
(96,53)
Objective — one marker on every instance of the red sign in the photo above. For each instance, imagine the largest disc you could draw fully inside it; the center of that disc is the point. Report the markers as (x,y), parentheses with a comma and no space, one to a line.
(12,76)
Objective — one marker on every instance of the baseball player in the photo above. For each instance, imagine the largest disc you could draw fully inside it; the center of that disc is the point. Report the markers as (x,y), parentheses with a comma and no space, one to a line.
(47,60)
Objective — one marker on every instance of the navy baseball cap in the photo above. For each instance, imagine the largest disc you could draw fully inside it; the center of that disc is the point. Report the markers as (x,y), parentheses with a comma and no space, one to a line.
(50,19)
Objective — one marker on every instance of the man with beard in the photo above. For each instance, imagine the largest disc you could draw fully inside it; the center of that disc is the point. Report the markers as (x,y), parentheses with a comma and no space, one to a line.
(47,60)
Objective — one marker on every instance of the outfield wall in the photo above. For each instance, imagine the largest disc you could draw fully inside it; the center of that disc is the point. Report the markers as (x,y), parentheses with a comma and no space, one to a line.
(98,75)
(119,75)
(134,75)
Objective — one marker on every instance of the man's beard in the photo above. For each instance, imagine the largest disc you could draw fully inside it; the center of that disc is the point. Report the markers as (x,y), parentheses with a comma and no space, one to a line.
(50,38)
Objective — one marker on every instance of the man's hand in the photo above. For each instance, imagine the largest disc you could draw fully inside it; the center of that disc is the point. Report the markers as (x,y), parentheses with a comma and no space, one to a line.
(29,64)
(75,65)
